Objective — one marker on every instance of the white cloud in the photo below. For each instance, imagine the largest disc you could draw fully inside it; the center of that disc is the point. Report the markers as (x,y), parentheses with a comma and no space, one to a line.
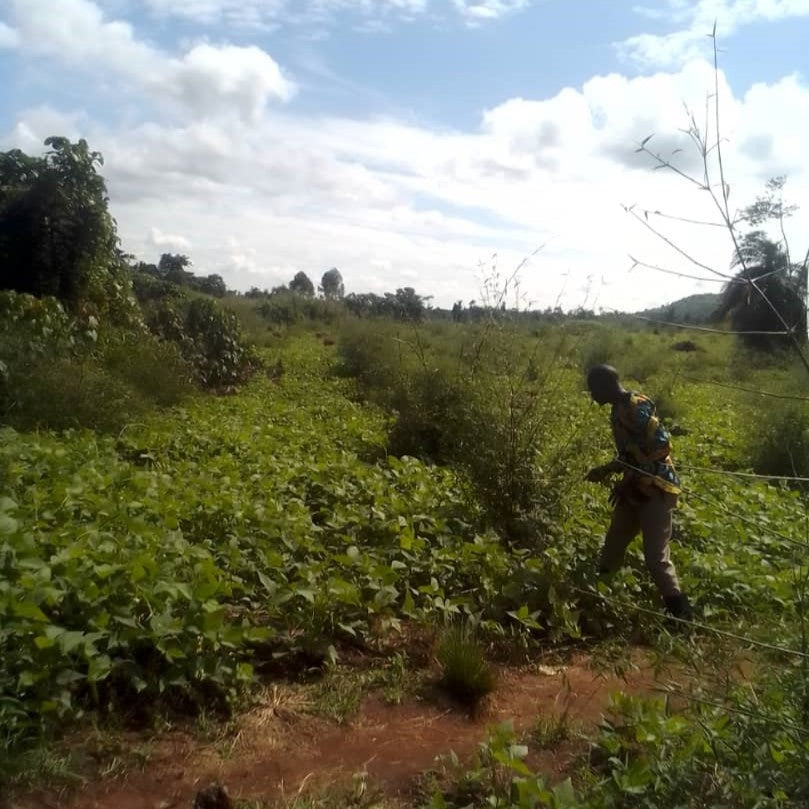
(269,13)
(696,19)
(9,38)
(481,10)
(167,241)
(244,77)
(209,78)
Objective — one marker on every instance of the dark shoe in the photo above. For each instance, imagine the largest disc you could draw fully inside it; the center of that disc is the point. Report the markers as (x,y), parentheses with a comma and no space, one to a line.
(679,606)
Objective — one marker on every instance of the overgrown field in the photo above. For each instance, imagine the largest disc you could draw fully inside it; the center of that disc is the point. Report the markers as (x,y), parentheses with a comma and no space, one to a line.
(408,476)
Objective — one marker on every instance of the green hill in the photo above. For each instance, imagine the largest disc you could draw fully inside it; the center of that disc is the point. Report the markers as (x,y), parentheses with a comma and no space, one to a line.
(691,309)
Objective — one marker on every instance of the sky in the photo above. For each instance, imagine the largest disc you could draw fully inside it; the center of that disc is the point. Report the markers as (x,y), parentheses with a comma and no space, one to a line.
(426,143)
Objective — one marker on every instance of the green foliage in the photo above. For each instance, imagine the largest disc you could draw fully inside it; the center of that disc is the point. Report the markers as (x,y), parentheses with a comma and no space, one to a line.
(371,354)
(332,284)
(286,308)
(405,304)
(745,754)
(779,300)
(780,444)
(485,405)
(71,392)
(301,284)
(59,372)
(57,237)
(209,339)
(769,291)
(638,355)
(209,545)
(465,674)
(647,755)
(697,309)
(130,569)
(153,368)
(499,776)
(169,277)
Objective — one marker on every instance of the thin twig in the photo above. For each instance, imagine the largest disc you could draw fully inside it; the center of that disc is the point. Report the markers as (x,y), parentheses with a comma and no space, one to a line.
(707,627)
(637,263)
(695,327)
(753,475)
(674,246)
(746,390)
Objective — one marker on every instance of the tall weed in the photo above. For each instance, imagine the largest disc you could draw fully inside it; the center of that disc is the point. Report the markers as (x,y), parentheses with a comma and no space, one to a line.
(480,399)
(779,443)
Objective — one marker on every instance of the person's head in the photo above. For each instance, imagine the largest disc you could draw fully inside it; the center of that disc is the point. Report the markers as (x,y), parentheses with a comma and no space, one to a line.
(604,384)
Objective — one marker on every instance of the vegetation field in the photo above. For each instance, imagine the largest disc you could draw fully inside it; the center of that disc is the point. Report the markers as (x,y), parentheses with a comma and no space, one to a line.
(208,497)
(234,539)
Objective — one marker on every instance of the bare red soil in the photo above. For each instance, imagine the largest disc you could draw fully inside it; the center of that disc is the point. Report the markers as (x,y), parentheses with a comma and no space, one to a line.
(278,750)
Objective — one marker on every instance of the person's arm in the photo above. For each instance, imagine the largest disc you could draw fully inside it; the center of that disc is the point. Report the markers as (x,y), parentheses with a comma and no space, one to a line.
(600,473)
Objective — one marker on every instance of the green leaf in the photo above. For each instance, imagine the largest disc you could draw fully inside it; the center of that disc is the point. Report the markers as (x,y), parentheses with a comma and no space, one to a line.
(28,610)
(565,795)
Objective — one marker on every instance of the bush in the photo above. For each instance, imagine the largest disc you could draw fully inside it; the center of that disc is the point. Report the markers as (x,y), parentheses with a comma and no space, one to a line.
(49,376)
(372,354)
(153,368)
(57,372)
(209,339)
(779,442)
(69,392)
(485,406)
(287,308)
(433,408)
(603,347)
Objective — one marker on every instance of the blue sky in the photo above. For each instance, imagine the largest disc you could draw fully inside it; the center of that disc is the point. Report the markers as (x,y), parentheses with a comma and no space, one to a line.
(406,141)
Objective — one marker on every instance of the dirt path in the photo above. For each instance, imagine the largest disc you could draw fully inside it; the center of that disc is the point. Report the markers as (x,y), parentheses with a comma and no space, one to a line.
(276,749)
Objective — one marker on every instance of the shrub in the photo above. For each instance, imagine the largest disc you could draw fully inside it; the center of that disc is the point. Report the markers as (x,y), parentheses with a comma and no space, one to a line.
(602,347)
(433,407)
(288,308)
(779,442)
(68,392)
(642,362)
(153,368)
(471,405)
(57,371)
(372,354)
(49,375)
(209,338)
(465,674)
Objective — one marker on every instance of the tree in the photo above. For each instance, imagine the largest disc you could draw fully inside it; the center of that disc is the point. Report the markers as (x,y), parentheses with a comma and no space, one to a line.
(769,288)
(302,285)
(56,233)
(407,304)
(765,264)
(172,268)
(332,284)
(212,285)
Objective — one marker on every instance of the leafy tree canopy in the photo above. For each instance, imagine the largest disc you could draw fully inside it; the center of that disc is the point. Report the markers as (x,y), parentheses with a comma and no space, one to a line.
(332,284)
(302,284)
(57,236)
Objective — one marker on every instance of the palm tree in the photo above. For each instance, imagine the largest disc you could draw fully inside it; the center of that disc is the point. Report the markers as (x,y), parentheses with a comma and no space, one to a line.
(767,264)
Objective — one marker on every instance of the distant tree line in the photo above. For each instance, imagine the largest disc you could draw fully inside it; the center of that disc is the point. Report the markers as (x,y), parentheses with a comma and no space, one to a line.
(173,269)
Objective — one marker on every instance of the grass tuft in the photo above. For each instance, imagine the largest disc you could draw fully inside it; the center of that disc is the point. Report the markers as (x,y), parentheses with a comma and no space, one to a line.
(465,674)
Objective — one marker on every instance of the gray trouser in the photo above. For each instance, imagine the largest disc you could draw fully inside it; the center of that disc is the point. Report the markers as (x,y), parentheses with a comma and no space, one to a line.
(652,517)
